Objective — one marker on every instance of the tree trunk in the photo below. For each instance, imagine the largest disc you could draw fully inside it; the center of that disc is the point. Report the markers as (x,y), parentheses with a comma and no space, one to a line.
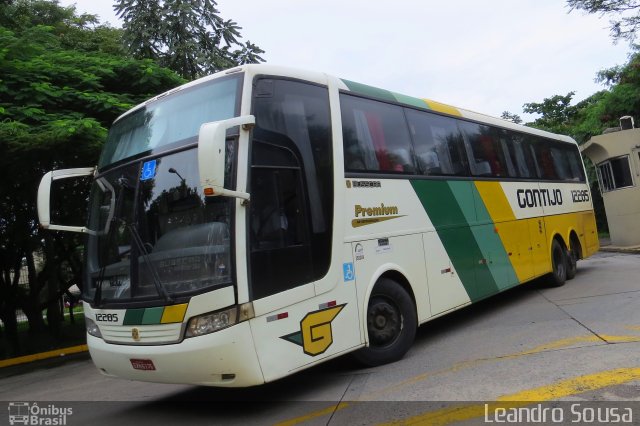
(31,306)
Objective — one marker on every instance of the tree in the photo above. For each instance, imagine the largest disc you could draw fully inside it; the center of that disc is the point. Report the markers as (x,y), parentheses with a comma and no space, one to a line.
(63,80)
(556,113)
(626,12)
(187,36)
(514,118)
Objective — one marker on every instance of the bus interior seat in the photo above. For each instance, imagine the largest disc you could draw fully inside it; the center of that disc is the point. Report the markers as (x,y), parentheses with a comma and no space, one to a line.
(483,168)
(402,160)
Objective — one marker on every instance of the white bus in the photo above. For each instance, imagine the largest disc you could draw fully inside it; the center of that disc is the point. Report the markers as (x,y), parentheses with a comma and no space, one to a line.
(262,220)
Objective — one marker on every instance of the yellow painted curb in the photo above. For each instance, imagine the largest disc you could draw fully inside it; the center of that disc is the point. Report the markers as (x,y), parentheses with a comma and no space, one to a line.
(43,355)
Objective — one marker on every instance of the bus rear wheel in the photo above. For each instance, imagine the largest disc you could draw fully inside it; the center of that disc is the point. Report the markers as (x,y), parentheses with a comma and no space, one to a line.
(572,263)
(391,324)
(559,264)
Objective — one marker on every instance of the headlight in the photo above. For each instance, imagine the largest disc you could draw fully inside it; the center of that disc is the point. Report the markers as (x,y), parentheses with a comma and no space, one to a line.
(92,327)
(214,321)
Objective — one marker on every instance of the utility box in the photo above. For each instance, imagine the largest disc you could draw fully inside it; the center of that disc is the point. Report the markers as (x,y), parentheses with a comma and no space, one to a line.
(616,155)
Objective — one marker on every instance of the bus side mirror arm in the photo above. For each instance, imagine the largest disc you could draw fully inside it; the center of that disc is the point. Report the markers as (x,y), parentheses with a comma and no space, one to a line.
(44,198)
(212,146)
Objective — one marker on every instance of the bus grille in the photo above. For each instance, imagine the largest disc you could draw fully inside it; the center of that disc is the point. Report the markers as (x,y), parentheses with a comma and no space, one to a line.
(142,334)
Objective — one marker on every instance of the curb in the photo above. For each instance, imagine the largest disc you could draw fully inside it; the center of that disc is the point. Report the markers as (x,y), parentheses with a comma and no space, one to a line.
(43,355)
(613,249)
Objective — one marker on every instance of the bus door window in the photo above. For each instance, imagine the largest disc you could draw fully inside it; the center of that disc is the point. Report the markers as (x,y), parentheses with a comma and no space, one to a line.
(291,185)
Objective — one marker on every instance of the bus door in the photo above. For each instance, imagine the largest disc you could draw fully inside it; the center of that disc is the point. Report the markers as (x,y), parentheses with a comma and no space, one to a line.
(290,226)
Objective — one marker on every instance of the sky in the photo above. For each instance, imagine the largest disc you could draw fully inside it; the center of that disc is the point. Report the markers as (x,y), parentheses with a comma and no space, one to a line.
(488,56)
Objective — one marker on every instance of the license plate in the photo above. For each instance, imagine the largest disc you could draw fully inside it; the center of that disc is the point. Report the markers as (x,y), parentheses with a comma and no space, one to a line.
(142,364)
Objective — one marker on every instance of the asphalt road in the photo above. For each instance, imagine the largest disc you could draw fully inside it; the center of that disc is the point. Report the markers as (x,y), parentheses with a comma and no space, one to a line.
(579,343)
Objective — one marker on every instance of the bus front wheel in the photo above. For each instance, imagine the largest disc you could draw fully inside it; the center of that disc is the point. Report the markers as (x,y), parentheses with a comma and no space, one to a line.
(391,324)
(559,264)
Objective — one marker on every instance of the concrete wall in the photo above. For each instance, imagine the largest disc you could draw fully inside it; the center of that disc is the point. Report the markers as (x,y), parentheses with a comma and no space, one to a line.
(621,205)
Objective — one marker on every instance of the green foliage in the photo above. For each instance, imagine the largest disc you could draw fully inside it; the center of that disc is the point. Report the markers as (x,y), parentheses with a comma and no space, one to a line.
(63,79)
(556,113)
(187,36)
(514,118)
(593,115)
(626,15)
(599,111)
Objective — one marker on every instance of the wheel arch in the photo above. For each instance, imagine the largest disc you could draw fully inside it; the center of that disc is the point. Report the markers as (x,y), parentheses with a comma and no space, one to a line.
(575,243)
(394,273)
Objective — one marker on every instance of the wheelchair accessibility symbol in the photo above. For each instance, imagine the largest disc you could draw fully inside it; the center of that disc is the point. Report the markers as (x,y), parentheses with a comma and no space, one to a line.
(148,170)
(348,271)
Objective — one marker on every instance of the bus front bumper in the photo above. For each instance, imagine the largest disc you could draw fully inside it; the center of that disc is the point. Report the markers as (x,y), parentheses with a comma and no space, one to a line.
(226,358)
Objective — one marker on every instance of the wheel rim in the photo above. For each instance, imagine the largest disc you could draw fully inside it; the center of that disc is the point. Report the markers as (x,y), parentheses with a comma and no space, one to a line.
(384,322)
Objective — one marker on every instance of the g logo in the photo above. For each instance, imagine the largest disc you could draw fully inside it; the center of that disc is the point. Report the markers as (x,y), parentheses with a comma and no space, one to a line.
(135,334)
(315,335)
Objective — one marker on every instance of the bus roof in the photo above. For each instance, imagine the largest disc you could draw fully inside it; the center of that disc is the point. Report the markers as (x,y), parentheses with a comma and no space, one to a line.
(368,91)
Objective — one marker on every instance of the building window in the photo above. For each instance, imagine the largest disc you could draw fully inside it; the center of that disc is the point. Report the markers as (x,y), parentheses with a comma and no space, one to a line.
(615,173)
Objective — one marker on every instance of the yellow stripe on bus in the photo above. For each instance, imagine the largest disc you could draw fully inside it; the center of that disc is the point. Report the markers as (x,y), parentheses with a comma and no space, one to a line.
(444,108)
(174,313)
(495,201)
(513,233)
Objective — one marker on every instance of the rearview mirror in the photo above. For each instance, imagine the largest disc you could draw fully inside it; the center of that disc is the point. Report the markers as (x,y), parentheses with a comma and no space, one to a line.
(44,197)
(212,146)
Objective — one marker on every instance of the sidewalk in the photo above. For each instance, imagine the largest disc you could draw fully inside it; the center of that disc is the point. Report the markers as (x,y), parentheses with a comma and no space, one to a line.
(605,245)
(50,359)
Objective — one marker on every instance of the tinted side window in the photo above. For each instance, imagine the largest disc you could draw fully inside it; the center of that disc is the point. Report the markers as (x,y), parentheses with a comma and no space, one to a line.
(518,152)
(439,148)
(376,138)
(487,157)
(575,164)
(545,159)
(291,209)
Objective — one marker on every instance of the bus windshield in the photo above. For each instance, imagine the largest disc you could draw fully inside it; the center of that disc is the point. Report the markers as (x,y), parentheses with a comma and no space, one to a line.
(162,239)
(171,119)
(154,236)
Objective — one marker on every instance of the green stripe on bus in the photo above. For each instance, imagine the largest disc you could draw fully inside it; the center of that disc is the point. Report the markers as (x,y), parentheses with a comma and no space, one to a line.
(133,317)
(498,262)
(410,100)
(152,315)
(363,89)
(449,206)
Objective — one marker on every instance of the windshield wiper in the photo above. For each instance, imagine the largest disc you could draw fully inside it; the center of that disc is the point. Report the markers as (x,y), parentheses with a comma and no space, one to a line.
(145,256)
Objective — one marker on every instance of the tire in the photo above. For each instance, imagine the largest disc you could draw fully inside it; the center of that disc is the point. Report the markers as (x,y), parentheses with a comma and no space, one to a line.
(391,324)
(558,265)
(572,263)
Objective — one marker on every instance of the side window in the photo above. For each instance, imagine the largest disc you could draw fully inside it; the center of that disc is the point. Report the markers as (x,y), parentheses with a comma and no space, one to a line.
(559,155)
(615,173)
(521,155)
(575,164)
(487,157)
(545,160)
(438,144)
(376,138)
(291,186)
